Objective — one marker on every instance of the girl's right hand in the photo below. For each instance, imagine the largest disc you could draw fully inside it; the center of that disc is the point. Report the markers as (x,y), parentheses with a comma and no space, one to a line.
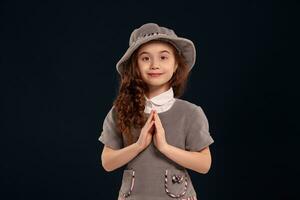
(146,132)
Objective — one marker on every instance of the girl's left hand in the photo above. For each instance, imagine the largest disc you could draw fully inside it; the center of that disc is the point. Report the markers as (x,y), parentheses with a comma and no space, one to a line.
(159,136)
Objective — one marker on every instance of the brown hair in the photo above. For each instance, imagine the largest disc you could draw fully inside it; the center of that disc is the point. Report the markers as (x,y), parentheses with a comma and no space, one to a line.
(130,102)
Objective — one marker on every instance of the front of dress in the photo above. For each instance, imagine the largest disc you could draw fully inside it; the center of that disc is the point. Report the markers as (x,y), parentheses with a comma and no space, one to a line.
(151,175)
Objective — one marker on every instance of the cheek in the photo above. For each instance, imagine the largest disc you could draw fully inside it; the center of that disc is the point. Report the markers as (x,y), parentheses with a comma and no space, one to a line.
(170,74)
(140,67)
(143,68)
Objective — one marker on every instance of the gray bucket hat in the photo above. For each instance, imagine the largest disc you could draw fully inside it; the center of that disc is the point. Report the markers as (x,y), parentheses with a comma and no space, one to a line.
(152,31)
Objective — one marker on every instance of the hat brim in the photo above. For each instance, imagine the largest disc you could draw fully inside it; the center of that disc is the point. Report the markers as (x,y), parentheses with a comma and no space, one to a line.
(185,46)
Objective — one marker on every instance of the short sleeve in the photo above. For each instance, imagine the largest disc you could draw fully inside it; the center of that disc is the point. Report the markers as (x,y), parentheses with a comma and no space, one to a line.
(198,136)
(110,136)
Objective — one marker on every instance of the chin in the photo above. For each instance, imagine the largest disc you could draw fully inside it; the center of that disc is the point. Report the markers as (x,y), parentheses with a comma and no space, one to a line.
(156,84)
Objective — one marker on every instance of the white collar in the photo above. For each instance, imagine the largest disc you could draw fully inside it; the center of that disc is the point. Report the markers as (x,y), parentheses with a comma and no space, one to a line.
(161,102)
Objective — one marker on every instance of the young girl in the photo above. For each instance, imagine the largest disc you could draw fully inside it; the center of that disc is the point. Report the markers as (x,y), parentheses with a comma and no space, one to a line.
(149,129)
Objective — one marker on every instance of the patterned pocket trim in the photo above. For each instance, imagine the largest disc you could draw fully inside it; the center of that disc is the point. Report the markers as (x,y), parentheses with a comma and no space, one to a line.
(176,179)
(127,194)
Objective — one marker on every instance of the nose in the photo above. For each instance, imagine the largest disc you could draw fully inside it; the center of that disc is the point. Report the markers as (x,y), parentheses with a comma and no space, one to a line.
(154,67)
(155,64)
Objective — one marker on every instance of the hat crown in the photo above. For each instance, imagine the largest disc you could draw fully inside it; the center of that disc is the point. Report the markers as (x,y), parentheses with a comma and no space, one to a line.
(147,30)
(152,31)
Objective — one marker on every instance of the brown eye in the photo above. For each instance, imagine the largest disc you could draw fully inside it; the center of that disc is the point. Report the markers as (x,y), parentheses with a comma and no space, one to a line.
(164,57)
(145,59)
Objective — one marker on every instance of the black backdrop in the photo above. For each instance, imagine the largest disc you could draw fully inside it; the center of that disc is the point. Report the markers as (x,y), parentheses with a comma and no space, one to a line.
(58,81)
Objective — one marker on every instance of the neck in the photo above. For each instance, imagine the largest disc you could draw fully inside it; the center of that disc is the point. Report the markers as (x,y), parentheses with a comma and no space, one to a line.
(156,90)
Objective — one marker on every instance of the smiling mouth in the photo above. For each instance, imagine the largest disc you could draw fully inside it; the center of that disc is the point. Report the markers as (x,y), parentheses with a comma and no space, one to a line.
(154,74)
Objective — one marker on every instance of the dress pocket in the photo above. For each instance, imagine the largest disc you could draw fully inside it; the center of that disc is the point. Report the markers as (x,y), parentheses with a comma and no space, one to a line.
(127,182)
(176,182)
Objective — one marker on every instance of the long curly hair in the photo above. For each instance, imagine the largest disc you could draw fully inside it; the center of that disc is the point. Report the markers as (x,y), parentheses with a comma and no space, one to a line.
(130,101)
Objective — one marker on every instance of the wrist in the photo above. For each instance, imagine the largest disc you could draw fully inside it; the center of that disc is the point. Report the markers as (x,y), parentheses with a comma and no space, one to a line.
(138,147)
(164,148)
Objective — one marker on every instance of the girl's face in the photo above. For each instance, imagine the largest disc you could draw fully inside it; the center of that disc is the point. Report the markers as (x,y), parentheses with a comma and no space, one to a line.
(156,63)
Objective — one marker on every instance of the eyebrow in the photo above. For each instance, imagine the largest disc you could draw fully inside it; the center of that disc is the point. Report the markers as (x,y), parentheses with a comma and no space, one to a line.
(163,51)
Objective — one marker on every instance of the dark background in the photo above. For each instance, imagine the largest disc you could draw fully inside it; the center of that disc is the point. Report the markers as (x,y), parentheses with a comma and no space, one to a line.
(58,81)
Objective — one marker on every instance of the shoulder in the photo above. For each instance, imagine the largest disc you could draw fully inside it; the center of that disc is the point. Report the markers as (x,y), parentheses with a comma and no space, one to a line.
(111,114)
(186,106)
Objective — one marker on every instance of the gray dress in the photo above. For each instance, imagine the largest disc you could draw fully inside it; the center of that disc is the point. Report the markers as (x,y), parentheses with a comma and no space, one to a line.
(151,175)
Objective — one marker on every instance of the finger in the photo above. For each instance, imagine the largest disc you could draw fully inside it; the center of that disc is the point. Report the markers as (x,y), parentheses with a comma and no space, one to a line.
(157,120)
(150,117)
(158,125)
(151,126)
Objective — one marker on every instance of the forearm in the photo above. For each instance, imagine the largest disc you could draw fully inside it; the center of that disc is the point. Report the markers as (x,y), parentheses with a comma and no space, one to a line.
(196,161)
(117,158)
